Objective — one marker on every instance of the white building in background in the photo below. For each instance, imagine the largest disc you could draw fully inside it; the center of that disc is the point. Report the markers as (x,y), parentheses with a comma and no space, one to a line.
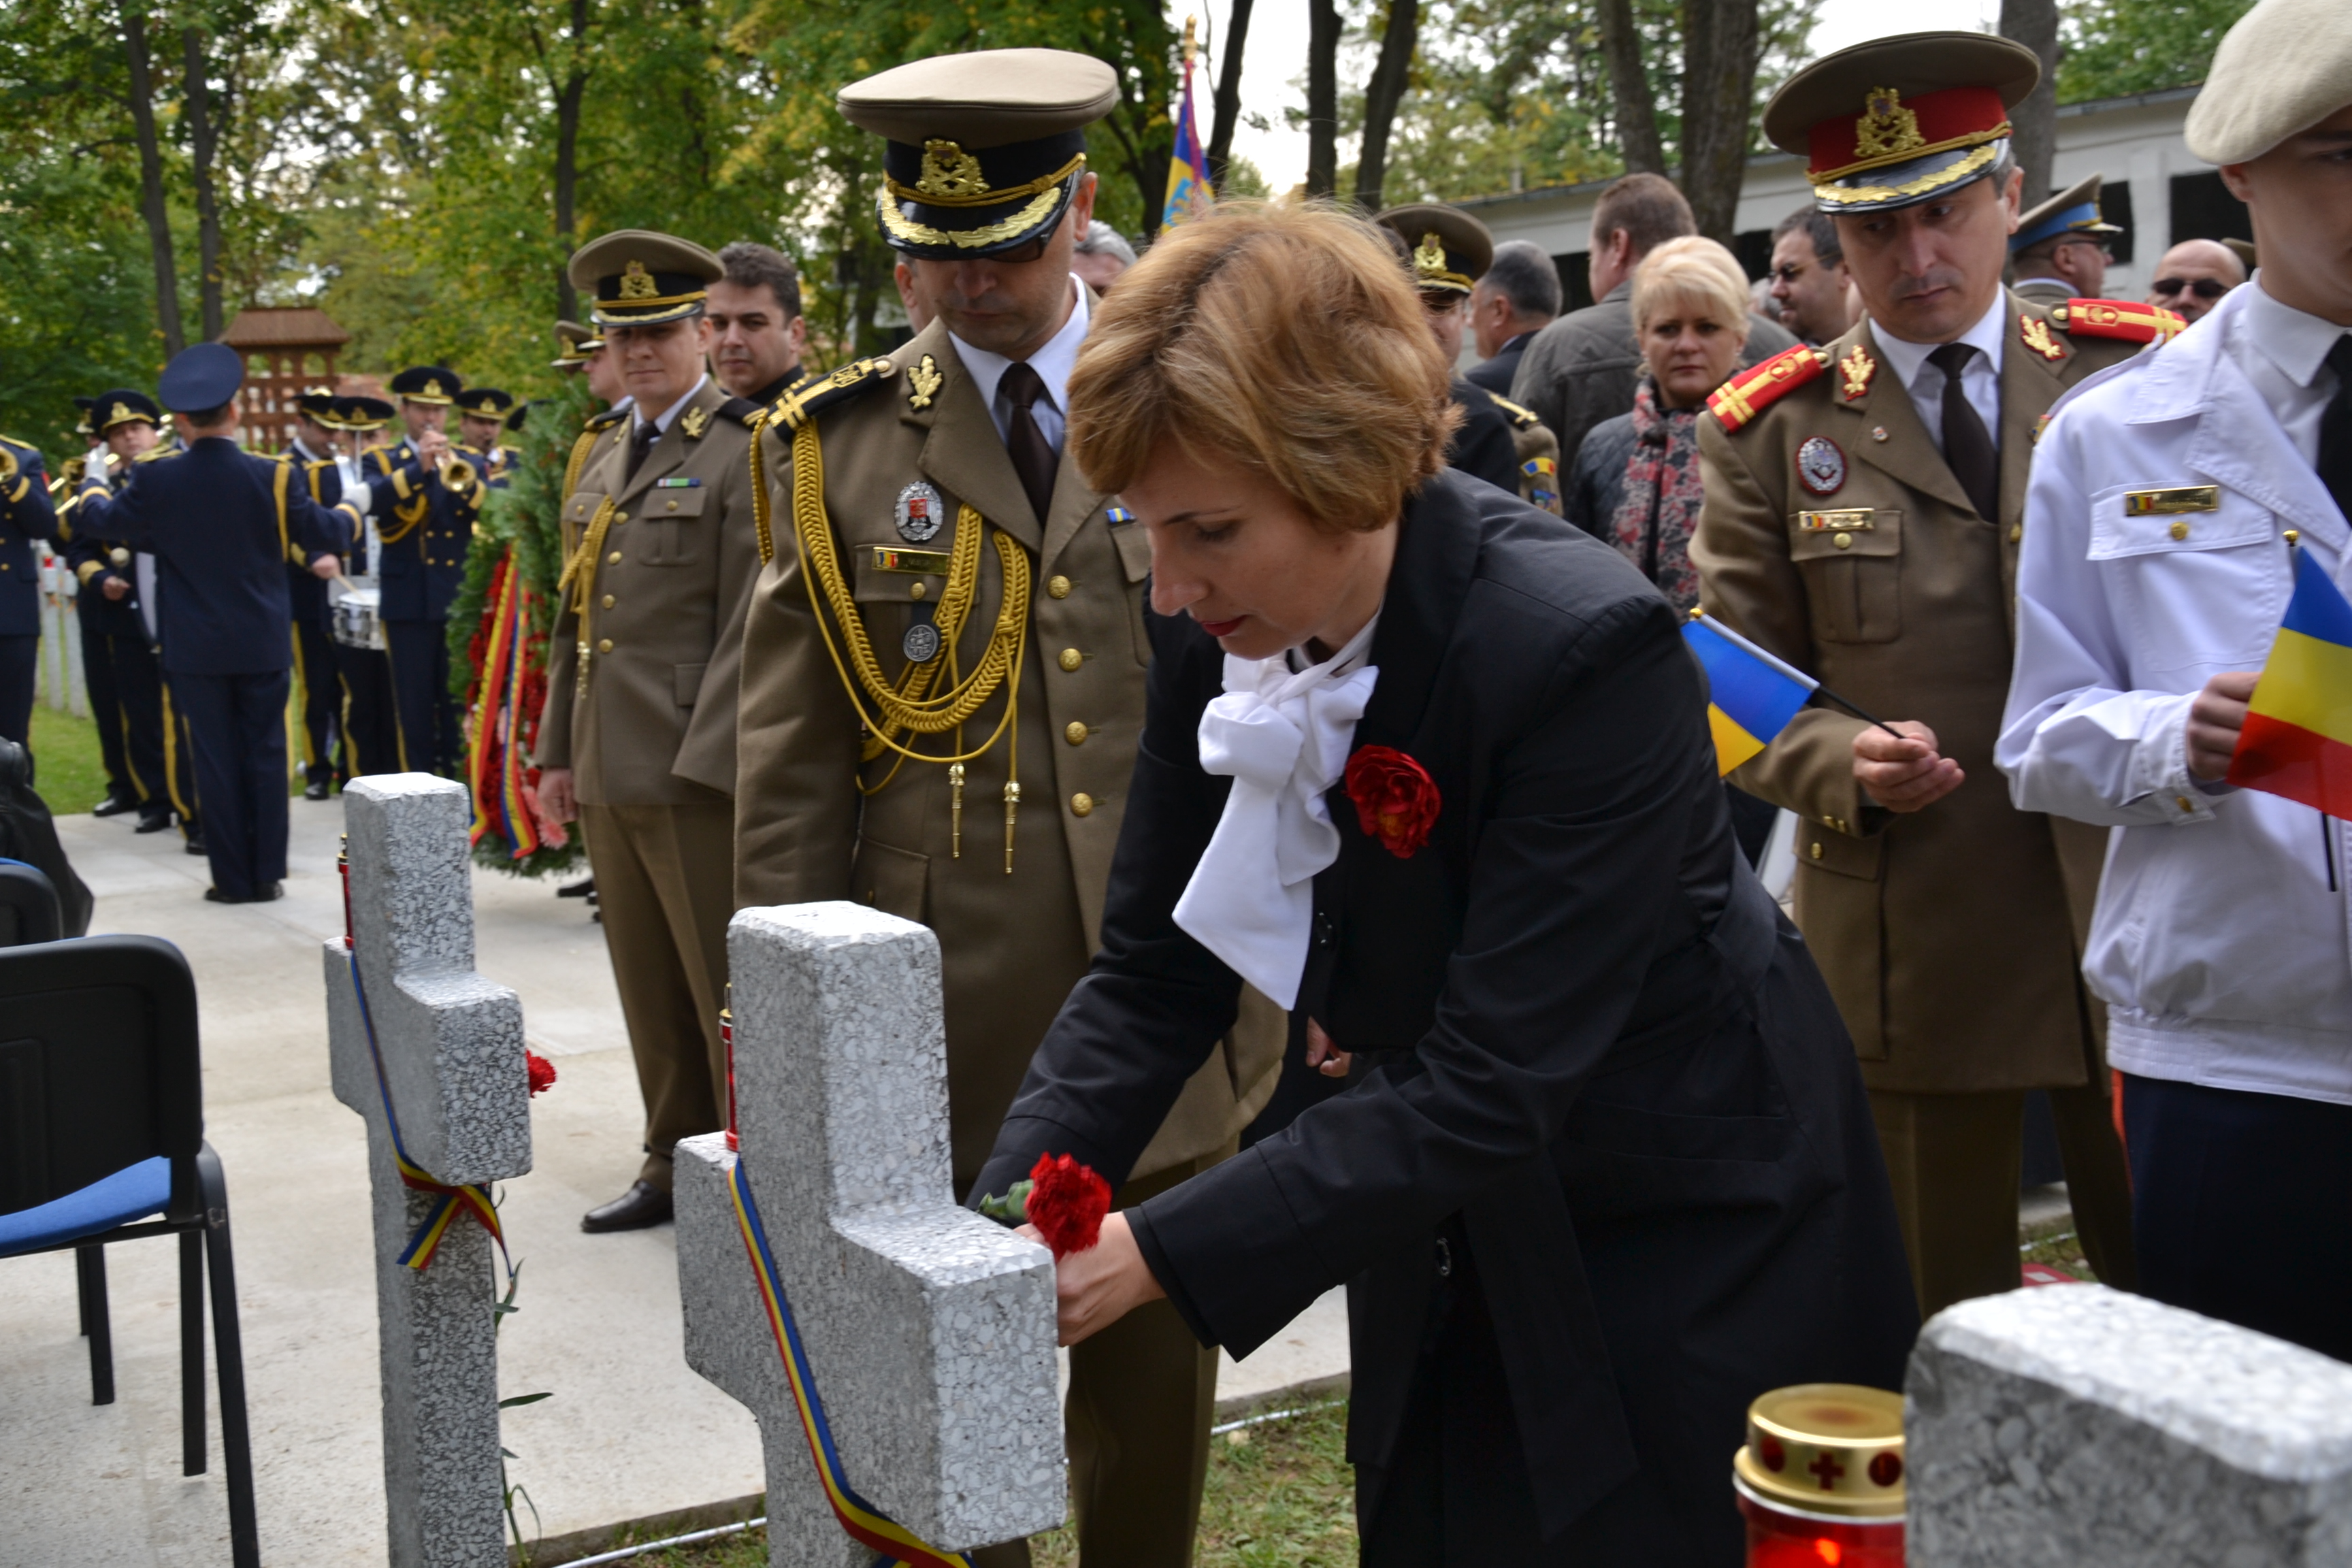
(2154,187)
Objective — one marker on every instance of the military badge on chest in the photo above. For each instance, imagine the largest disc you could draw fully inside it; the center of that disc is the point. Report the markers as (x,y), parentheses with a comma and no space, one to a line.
(919,512)
(1821,465)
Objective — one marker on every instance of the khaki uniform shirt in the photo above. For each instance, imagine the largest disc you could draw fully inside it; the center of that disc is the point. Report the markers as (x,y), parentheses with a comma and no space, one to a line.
(655,725)
(813,822)
(1950,937)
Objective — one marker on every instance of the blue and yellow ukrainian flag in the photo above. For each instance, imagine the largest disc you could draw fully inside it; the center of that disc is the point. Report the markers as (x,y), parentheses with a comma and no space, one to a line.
(1188,168)
(1751,696)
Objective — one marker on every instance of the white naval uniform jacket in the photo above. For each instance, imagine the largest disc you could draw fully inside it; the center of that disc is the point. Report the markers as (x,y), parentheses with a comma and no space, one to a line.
(2223,957)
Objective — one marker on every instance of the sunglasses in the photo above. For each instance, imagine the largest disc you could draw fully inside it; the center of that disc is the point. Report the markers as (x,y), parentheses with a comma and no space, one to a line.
(2203,287)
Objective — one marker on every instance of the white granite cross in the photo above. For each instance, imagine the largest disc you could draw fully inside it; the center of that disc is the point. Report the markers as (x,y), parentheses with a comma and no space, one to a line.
(452,1049)
(2075,1427)
(929,1331)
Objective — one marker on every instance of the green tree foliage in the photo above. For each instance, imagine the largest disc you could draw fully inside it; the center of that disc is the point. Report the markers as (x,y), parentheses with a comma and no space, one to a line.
(2112,47)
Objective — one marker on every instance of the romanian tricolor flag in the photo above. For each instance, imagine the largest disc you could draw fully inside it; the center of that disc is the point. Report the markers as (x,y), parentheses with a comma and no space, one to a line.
(1751,696)
(2297,741)
(1188,168)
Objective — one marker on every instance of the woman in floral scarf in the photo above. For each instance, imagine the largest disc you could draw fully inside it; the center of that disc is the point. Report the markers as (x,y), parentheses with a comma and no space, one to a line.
(1635,484)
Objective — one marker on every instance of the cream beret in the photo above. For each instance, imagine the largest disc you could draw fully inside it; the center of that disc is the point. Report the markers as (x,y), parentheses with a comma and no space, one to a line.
(2286,66)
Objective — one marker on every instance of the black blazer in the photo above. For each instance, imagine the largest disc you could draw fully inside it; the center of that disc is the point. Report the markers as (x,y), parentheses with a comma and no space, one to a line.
(1591,1041)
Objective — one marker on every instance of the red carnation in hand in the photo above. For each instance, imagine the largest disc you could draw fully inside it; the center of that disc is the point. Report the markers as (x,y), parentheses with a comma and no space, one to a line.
(1067,1204)
(1396,800)
(542,1071)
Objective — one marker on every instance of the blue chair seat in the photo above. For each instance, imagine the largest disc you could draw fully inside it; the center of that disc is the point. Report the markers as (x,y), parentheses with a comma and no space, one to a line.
(135,1192)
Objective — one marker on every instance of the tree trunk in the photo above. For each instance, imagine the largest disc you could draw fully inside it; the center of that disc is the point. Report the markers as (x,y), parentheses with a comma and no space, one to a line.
(1382,96)
(204,149)
(1720,49)
(568,101)
(2034,23)
(1629,84)
(1226,112)
(1322,97)
(151,181)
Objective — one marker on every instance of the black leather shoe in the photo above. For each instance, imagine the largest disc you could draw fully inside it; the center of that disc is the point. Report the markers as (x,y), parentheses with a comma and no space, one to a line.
(113,806)
(585,887)
(315,790)
(195,844)
(214,895)
(643,1206)
(154,824)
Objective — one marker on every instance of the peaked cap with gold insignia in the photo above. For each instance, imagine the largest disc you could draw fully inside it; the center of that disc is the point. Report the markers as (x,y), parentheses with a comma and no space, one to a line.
(2072,211)
(1900,120)
(122,406)
(983,150)
(1448,249)
(427,383)
(318,403)
(578,341)
(485,403)
(642,279)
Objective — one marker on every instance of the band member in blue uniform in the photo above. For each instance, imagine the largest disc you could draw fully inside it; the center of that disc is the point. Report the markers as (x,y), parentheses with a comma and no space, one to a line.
(484,414)
(371,718)
(118,651)
(220,521)
(315,456)
(423,495)
(25,515)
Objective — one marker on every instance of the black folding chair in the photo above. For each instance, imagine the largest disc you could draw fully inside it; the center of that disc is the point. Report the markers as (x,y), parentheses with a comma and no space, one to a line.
(101,1140)
(29,909)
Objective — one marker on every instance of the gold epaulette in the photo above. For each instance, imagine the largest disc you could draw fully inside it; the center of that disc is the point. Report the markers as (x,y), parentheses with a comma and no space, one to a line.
(1524,418)
(2117,319)
(811,396)
(1740,400)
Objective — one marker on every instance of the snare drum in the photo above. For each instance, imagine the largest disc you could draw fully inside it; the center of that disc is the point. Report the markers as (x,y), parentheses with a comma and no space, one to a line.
(353,617)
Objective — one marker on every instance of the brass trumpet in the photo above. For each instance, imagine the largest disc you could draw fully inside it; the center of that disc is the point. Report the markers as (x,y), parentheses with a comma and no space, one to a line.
(456,474)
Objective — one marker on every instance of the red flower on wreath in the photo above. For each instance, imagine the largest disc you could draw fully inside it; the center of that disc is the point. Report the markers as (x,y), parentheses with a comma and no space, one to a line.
(1067,1204)
(1396,800)
(542,1071)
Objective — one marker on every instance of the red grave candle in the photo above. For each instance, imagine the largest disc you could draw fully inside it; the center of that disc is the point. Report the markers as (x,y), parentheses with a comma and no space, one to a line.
(1821,1479)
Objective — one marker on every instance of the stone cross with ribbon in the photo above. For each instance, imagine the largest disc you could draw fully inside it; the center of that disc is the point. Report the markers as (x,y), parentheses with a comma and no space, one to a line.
(431,1054)
(897,1348)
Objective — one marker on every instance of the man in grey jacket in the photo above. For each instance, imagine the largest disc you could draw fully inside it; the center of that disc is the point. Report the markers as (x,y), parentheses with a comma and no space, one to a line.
(1582,369)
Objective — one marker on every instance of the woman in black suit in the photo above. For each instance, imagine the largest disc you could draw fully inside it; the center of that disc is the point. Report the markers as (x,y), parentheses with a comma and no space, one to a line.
(1433,768)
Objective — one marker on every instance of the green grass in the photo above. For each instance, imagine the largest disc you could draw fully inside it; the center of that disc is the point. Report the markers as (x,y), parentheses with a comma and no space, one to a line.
(1280,1495)
(67,769)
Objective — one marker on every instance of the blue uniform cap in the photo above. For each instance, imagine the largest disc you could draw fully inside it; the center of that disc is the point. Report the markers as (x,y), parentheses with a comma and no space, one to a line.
(200,378)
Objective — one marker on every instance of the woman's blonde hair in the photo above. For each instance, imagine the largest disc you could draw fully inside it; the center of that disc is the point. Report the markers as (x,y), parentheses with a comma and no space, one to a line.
(1692,270)
(1285,338)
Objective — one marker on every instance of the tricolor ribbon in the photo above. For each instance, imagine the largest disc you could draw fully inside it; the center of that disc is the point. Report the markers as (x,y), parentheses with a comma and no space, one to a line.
(895,1545)
(451,1200)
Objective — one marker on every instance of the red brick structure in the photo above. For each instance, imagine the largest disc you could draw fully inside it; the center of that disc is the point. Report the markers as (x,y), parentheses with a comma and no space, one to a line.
(287,349)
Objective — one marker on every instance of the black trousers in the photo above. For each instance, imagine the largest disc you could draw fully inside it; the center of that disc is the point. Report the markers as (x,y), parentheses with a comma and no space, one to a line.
(2241,1207)
(322,703)
(20,658)
(179,765)
(238,725)
(126,700)
(370,720)
(420,685)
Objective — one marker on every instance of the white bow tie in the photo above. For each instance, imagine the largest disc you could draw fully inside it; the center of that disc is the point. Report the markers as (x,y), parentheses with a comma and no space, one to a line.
(1283,739)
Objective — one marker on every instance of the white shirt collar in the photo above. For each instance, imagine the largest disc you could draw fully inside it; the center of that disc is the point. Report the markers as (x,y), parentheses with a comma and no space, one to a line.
(2295,340)
(1908,359)
(670,417)
(1053,362)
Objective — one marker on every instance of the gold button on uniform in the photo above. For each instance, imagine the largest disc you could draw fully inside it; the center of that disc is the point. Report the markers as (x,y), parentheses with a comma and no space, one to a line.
(613,559)
(1057,586)
(2182,801)
(918,590)
(1817,851)
(620,517)
(1081,804)
(606,645)
(608,601)
(2016,532)
(1074,733)
(1072,659)
(1842,541)
(2179,531)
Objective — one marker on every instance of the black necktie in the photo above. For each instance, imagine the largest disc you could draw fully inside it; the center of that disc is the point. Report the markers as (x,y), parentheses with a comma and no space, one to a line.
(1033,455)
(640,441)
(2335,429)
(1967,449)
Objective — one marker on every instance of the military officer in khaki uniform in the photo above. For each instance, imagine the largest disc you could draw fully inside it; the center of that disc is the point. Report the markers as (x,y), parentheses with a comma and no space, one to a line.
(1861,521)
(660,551)
(943,686)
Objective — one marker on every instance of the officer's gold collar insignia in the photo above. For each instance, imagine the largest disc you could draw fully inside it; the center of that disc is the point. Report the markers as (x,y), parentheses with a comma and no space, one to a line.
(696,420)
(923,383)
(1887,128)
(951,173)
(637,283)
(1854,372)
(2036,333)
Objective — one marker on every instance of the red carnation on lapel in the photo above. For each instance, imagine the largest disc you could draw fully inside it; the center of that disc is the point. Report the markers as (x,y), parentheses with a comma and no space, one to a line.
(1396,800)
(1067,1204)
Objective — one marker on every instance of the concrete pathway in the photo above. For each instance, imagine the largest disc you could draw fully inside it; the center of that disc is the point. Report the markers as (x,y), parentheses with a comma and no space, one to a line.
(630,1434)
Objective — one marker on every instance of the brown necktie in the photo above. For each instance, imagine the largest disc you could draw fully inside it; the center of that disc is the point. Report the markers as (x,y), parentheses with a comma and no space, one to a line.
(1033,455)
(1967,449)
(640,441)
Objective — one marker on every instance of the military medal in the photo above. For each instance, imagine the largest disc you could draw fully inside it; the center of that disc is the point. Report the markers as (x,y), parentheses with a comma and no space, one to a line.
(1820,467)
(919,512)
(922,643)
